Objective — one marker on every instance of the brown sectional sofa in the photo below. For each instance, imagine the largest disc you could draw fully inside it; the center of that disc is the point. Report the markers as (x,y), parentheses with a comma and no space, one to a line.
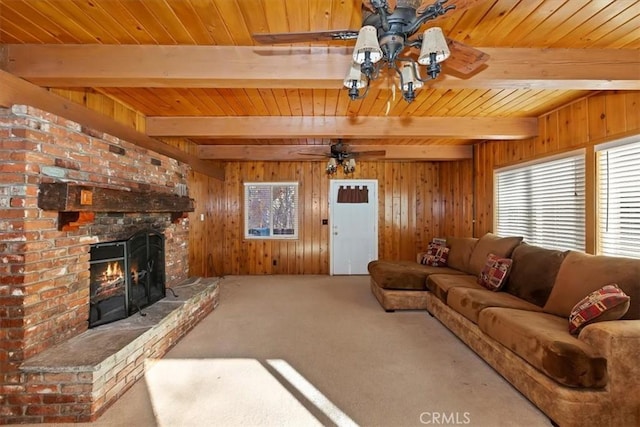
(522,330)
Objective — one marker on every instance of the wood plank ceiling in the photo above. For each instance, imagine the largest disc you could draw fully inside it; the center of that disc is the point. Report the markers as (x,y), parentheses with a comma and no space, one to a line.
(493,24)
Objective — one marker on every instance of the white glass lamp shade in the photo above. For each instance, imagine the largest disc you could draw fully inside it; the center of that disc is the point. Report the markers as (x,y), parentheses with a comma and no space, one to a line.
(332,166)
(433,41)
(349,166)
(409,76)
(367,42)
(354,74)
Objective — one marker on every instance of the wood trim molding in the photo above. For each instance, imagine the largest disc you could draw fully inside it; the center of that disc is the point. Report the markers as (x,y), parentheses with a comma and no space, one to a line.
(344,127)
(14,90)
(270,67)
(320,152)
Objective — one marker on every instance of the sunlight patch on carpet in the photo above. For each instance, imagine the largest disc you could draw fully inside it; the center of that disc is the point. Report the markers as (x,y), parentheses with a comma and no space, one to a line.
(229,392)
(311,393)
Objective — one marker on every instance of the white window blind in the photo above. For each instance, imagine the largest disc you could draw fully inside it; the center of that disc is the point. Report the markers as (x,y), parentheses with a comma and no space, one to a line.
(543,202)
(271,210)
(619,199)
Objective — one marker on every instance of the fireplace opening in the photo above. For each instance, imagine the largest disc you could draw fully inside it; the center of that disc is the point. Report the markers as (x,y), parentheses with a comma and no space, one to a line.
(125,276)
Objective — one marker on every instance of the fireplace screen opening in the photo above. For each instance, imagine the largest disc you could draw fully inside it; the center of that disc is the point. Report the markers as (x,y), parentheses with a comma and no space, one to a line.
(125,276)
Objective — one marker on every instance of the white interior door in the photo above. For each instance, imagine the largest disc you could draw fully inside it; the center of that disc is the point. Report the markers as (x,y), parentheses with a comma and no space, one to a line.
(353,228)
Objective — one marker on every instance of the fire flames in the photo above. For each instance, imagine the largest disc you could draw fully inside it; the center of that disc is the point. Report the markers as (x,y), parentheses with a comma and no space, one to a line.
(113,272)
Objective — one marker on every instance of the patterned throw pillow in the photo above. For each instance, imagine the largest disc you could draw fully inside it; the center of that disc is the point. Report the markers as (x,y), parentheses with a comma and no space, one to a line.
(436,255)
(495,272)
(606,303)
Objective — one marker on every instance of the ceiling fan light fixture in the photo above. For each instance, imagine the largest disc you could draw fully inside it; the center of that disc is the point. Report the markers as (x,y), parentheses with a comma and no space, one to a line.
(367,46)
(433,41)
(350,166)
(354,77)
(332,166)
(356,80)
(410,76)
(410,81)
(386,41)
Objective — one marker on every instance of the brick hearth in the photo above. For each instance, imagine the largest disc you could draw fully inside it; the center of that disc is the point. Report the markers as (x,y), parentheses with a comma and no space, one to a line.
(44,272)
(78,379)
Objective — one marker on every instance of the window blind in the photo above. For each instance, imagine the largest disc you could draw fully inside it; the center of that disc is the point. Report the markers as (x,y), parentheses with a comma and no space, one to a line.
(619,199)
(543,202)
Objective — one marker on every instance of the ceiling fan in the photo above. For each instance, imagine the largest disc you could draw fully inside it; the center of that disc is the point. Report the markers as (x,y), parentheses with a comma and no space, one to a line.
(341,155)
(388,37)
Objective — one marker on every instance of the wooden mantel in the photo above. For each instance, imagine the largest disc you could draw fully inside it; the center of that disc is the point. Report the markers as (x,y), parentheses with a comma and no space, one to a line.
(78,203)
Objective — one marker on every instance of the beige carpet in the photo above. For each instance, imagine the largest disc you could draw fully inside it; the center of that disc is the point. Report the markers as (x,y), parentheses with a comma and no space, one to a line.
(303,350)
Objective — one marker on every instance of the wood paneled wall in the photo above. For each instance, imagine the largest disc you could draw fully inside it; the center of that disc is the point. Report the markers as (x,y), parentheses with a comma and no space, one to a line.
(417,201)
(583,124)
(104,105)
(206,230)
(456,207)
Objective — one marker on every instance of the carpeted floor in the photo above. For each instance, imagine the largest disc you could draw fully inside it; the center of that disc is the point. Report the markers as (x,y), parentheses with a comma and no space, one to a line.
(310,350)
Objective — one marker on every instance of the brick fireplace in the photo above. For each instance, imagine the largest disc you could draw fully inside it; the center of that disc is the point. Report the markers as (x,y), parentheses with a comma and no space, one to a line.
(45,260)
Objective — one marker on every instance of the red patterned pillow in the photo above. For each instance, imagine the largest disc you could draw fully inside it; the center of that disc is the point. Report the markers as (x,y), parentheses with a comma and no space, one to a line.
(607,303)
(436,255)
(495,272)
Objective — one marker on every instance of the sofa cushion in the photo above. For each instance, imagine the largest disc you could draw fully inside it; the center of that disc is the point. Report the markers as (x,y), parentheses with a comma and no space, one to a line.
(580,274)
(404,274)
(470,301)
(436,255)
(542,340)
(495,272)
(533,272)
(440,284)
(491,244)
(460,249)
(606,303)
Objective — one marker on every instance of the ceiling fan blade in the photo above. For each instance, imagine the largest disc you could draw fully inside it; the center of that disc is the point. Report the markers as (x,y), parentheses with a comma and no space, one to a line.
(460,6)
(367,4)
(315,154)
(369,154)
(305,36)
(464,59)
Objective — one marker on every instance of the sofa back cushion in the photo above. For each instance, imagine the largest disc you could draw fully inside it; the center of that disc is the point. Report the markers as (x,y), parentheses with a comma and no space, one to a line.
(580,274)
(502,247)
(533,272)
(460,249)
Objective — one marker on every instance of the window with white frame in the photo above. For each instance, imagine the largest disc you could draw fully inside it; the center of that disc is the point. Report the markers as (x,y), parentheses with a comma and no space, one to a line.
(619,198)
(271,210)
(543,202)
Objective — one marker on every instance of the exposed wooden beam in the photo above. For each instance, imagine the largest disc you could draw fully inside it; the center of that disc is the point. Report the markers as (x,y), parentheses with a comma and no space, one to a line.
(176,66)
(343,127)
(297,67)
(320,152)
(14,90)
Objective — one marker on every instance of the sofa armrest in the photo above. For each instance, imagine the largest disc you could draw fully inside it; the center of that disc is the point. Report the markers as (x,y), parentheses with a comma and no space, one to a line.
(619,342)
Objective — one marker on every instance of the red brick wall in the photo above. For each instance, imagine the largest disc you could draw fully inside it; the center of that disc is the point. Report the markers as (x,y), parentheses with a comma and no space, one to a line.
(44,273)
